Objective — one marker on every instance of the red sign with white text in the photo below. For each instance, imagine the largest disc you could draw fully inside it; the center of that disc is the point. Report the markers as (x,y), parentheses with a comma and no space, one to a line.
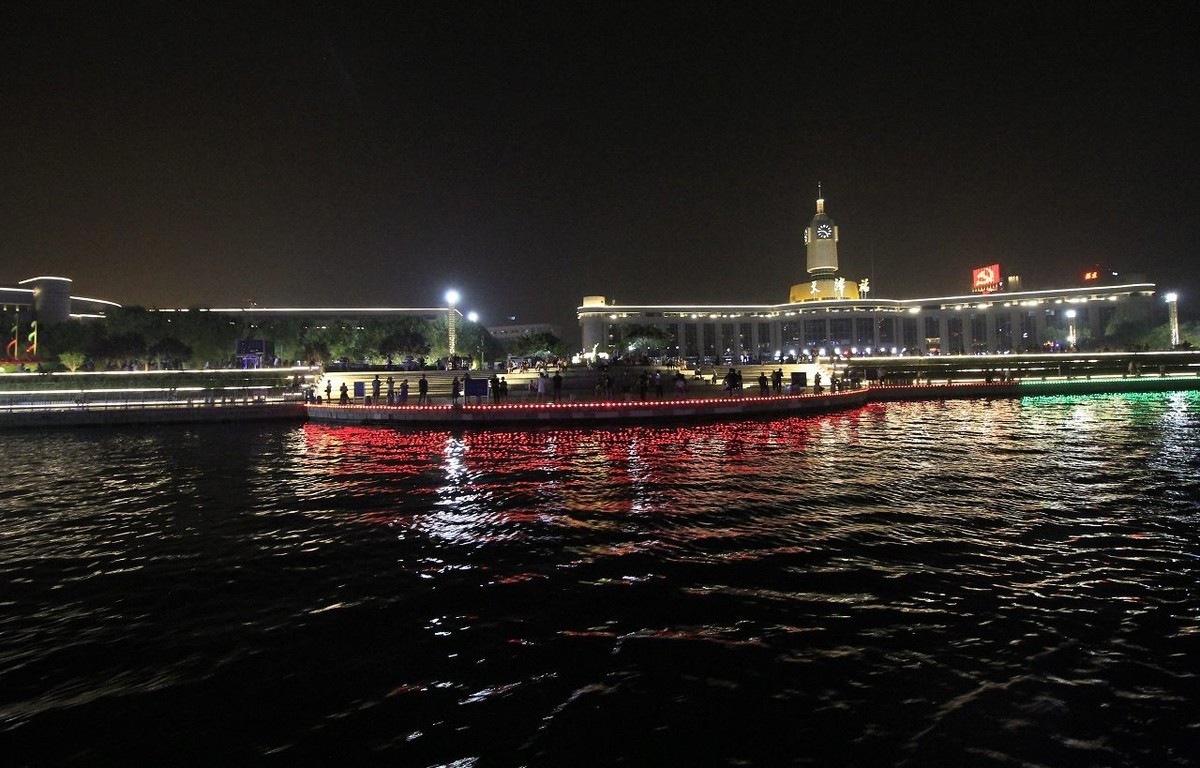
(985,279)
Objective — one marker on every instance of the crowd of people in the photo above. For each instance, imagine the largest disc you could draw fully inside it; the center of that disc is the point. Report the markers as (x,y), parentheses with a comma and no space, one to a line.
(613,384)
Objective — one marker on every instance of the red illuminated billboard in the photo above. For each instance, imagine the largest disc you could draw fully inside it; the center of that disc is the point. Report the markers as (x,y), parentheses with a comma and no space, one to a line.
(985,279)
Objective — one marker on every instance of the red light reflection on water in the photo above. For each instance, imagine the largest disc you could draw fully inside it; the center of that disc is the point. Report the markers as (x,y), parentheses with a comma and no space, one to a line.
(613,454)
(479,486)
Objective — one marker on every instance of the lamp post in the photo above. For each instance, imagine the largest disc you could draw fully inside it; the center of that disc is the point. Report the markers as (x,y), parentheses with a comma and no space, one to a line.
(451,300)
(473,317)
(1071,328)
(1173,315)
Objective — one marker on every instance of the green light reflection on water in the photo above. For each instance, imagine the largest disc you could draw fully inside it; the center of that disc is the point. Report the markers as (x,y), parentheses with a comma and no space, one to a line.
(1140,407)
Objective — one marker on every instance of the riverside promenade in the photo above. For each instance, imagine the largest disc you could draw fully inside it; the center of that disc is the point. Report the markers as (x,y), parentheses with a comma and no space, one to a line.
(593,411)
(73,400)
(726,407)
(109,398)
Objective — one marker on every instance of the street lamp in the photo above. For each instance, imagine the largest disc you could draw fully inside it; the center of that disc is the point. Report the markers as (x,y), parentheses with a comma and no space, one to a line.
(1071,328)
(451,299)
(1173,314)
(473,317)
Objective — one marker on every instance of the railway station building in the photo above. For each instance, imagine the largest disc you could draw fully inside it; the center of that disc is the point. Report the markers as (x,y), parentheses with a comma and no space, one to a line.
(828,314)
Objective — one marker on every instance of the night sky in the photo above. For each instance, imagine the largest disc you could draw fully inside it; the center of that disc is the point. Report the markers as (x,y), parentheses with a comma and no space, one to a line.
(291,154)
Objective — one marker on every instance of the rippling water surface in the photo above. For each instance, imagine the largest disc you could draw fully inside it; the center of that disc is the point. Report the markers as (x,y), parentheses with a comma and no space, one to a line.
(960,583)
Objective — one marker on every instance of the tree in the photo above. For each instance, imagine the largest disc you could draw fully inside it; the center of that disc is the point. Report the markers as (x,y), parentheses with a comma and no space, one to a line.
(537,345)
(212,336)
(404,336)
(72,361)
(1129,325)
(645,340)
(69,336)
(315,350)
(172,349)
(120,348)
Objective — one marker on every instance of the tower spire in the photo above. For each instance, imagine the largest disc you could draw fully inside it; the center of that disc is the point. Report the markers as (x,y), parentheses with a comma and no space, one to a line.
(820,199)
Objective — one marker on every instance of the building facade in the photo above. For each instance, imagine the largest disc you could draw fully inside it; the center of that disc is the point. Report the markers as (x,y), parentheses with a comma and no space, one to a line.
(49,300)
(830,315)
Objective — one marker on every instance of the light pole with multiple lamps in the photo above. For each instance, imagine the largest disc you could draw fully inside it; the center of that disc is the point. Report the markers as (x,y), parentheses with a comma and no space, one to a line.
(1173,317)
(451,300)
(1071,328)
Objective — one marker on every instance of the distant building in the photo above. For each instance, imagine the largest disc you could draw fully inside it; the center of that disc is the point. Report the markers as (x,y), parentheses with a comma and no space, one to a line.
(49,300)
(507,332)
(348,314)
(829,312)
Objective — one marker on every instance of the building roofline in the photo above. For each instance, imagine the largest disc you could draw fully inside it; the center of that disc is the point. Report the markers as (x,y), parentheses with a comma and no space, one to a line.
(97,301)
(45,277)
(974,298)
(307,310)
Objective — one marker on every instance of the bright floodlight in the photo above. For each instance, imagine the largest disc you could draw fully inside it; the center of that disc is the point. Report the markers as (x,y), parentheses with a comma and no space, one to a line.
(452,297)
(1172,297)
(473,317)
(1070,313)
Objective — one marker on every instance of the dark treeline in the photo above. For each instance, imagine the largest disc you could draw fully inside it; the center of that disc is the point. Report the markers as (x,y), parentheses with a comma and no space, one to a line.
(194,338)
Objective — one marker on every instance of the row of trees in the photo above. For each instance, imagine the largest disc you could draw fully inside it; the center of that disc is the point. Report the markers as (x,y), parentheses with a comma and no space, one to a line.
(195,337)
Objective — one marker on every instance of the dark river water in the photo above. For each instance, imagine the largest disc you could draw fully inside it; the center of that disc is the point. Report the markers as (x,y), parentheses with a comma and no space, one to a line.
(1010,582)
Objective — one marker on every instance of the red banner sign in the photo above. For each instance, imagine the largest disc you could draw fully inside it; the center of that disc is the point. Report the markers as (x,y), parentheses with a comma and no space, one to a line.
(985,279)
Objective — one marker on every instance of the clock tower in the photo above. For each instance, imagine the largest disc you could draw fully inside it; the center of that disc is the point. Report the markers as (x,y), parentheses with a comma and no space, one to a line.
(820,240)
(820,243)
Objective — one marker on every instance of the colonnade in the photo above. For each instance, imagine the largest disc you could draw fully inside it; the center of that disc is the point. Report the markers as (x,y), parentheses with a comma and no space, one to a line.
(948,330)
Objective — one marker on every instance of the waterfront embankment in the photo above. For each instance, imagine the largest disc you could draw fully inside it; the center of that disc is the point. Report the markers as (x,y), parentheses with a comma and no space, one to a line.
(95,398)
(155,397)
(727,407)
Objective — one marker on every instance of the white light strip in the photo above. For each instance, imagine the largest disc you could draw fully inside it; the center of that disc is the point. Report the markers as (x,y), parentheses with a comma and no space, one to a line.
(97,301)
(252,310)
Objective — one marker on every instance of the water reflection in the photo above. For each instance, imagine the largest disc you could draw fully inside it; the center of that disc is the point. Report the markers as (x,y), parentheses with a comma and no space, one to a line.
(932,583)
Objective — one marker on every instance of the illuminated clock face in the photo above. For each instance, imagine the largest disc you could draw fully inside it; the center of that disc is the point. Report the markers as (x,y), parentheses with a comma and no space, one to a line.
(807,235)
(824,231)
